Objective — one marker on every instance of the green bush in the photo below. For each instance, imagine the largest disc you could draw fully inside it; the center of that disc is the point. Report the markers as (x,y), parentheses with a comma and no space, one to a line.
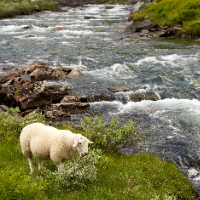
(11,123)
(75,173)
(109,136)
(79,171)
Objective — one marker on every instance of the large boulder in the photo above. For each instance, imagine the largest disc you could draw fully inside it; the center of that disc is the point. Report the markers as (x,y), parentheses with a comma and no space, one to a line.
(142,25)
(37,95)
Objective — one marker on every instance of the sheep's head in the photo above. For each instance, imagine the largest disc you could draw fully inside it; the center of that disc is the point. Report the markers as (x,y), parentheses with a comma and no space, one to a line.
(81,144)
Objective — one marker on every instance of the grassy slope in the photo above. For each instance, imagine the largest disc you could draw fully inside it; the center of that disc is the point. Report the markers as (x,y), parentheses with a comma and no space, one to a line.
(10,8)
(122,177)
(173,12)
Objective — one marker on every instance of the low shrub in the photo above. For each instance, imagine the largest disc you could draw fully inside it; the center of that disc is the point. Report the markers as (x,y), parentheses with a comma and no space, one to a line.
(79,171)
(11,123)
(76,172)
(109,136)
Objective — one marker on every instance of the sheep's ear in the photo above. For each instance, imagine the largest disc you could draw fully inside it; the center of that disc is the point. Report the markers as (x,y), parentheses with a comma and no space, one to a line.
(90,142)
(76,141)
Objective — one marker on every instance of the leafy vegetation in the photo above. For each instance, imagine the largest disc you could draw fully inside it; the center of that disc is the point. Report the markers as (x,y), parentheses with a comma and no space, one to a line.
(100,175)
(109,136)
(10,8)
(11,123)
(173,12)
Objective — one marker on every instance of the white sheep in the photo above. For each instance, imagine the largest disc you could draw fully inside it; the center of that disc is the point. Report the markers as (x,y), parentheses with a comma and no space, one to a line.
(49,143)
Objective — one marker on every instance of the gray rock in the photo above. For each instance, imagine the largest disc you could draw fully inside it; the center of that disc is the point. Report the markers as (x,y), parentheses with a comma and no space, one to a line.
(142,25)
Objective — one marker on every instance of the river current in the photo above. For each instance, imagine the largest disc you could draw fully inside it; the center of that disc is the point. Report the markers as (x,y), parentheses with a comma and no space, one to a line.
(168,68)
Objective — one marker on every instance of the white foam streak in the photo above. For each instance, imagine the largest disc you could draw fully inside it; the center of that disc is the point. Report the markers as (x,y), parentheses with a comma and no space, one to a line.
(173,60)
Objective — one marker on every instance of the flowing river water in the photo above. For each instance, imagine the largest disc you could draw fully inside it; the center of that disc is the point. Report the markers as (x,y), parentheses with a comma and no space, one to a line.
(167,68)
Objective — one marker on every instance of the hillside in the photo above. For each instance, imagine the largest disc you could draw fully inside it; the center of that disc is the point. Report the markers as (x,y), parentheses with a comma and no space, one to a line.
(173,12)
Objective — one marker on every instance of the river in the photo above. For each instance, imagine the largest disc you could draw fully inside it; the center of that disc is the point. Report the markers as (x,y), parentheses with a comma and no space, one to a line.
(167,68)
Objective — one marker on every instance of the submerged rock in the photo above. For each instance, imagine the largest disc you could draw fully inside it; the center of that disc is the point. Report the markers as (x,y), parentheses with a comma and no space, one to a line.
(58,29)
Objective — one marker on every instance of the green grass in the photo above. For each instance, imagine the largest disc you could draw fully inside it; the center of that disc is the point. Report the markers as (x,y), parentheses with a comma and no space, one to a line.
(173,12)
(10,8)
(121,177)
(118,176)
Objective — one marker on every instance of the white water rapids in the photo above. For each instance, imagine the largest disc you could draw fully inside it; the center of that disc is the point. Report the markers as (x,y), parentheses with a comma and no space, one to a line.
(168,68)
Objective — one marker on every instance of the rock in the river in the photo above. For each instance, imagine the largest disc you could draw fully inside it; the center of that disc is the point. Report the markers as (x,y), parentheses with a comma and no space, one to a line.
(192,173)
(89,17)
(58,29)
(65,70)
(98,97)
(28,36)
(75,74)
(41,71)
(147,95)
(28,27)
(70,99)
(47,74)
(142,25)
(119,89)
(34,66)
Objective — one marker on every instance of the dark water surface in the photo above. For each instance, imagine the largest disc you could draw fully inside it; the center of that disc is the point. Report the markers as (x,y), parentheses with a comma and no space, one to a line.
(168,68)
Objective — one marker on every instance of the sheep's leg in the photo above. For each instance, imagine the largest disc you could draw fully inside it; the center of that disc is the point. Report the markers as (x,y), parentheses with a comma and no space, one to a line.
(30,160)
(60,166)
(40,165)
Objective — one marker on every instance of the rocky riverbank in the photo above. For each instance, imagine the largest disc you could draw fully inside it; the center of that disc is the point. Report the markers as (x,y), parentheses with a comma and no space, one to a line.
(28,89)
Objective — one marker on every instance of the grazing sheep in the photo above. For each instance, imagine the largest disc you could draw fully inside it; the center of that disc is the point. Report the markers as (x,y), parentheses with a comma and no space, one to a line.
(49,143)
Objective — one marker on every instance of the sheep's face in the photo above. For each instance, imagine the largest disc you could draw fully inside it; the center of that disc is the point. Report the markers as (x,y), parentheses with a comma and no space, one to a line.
(81,144)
